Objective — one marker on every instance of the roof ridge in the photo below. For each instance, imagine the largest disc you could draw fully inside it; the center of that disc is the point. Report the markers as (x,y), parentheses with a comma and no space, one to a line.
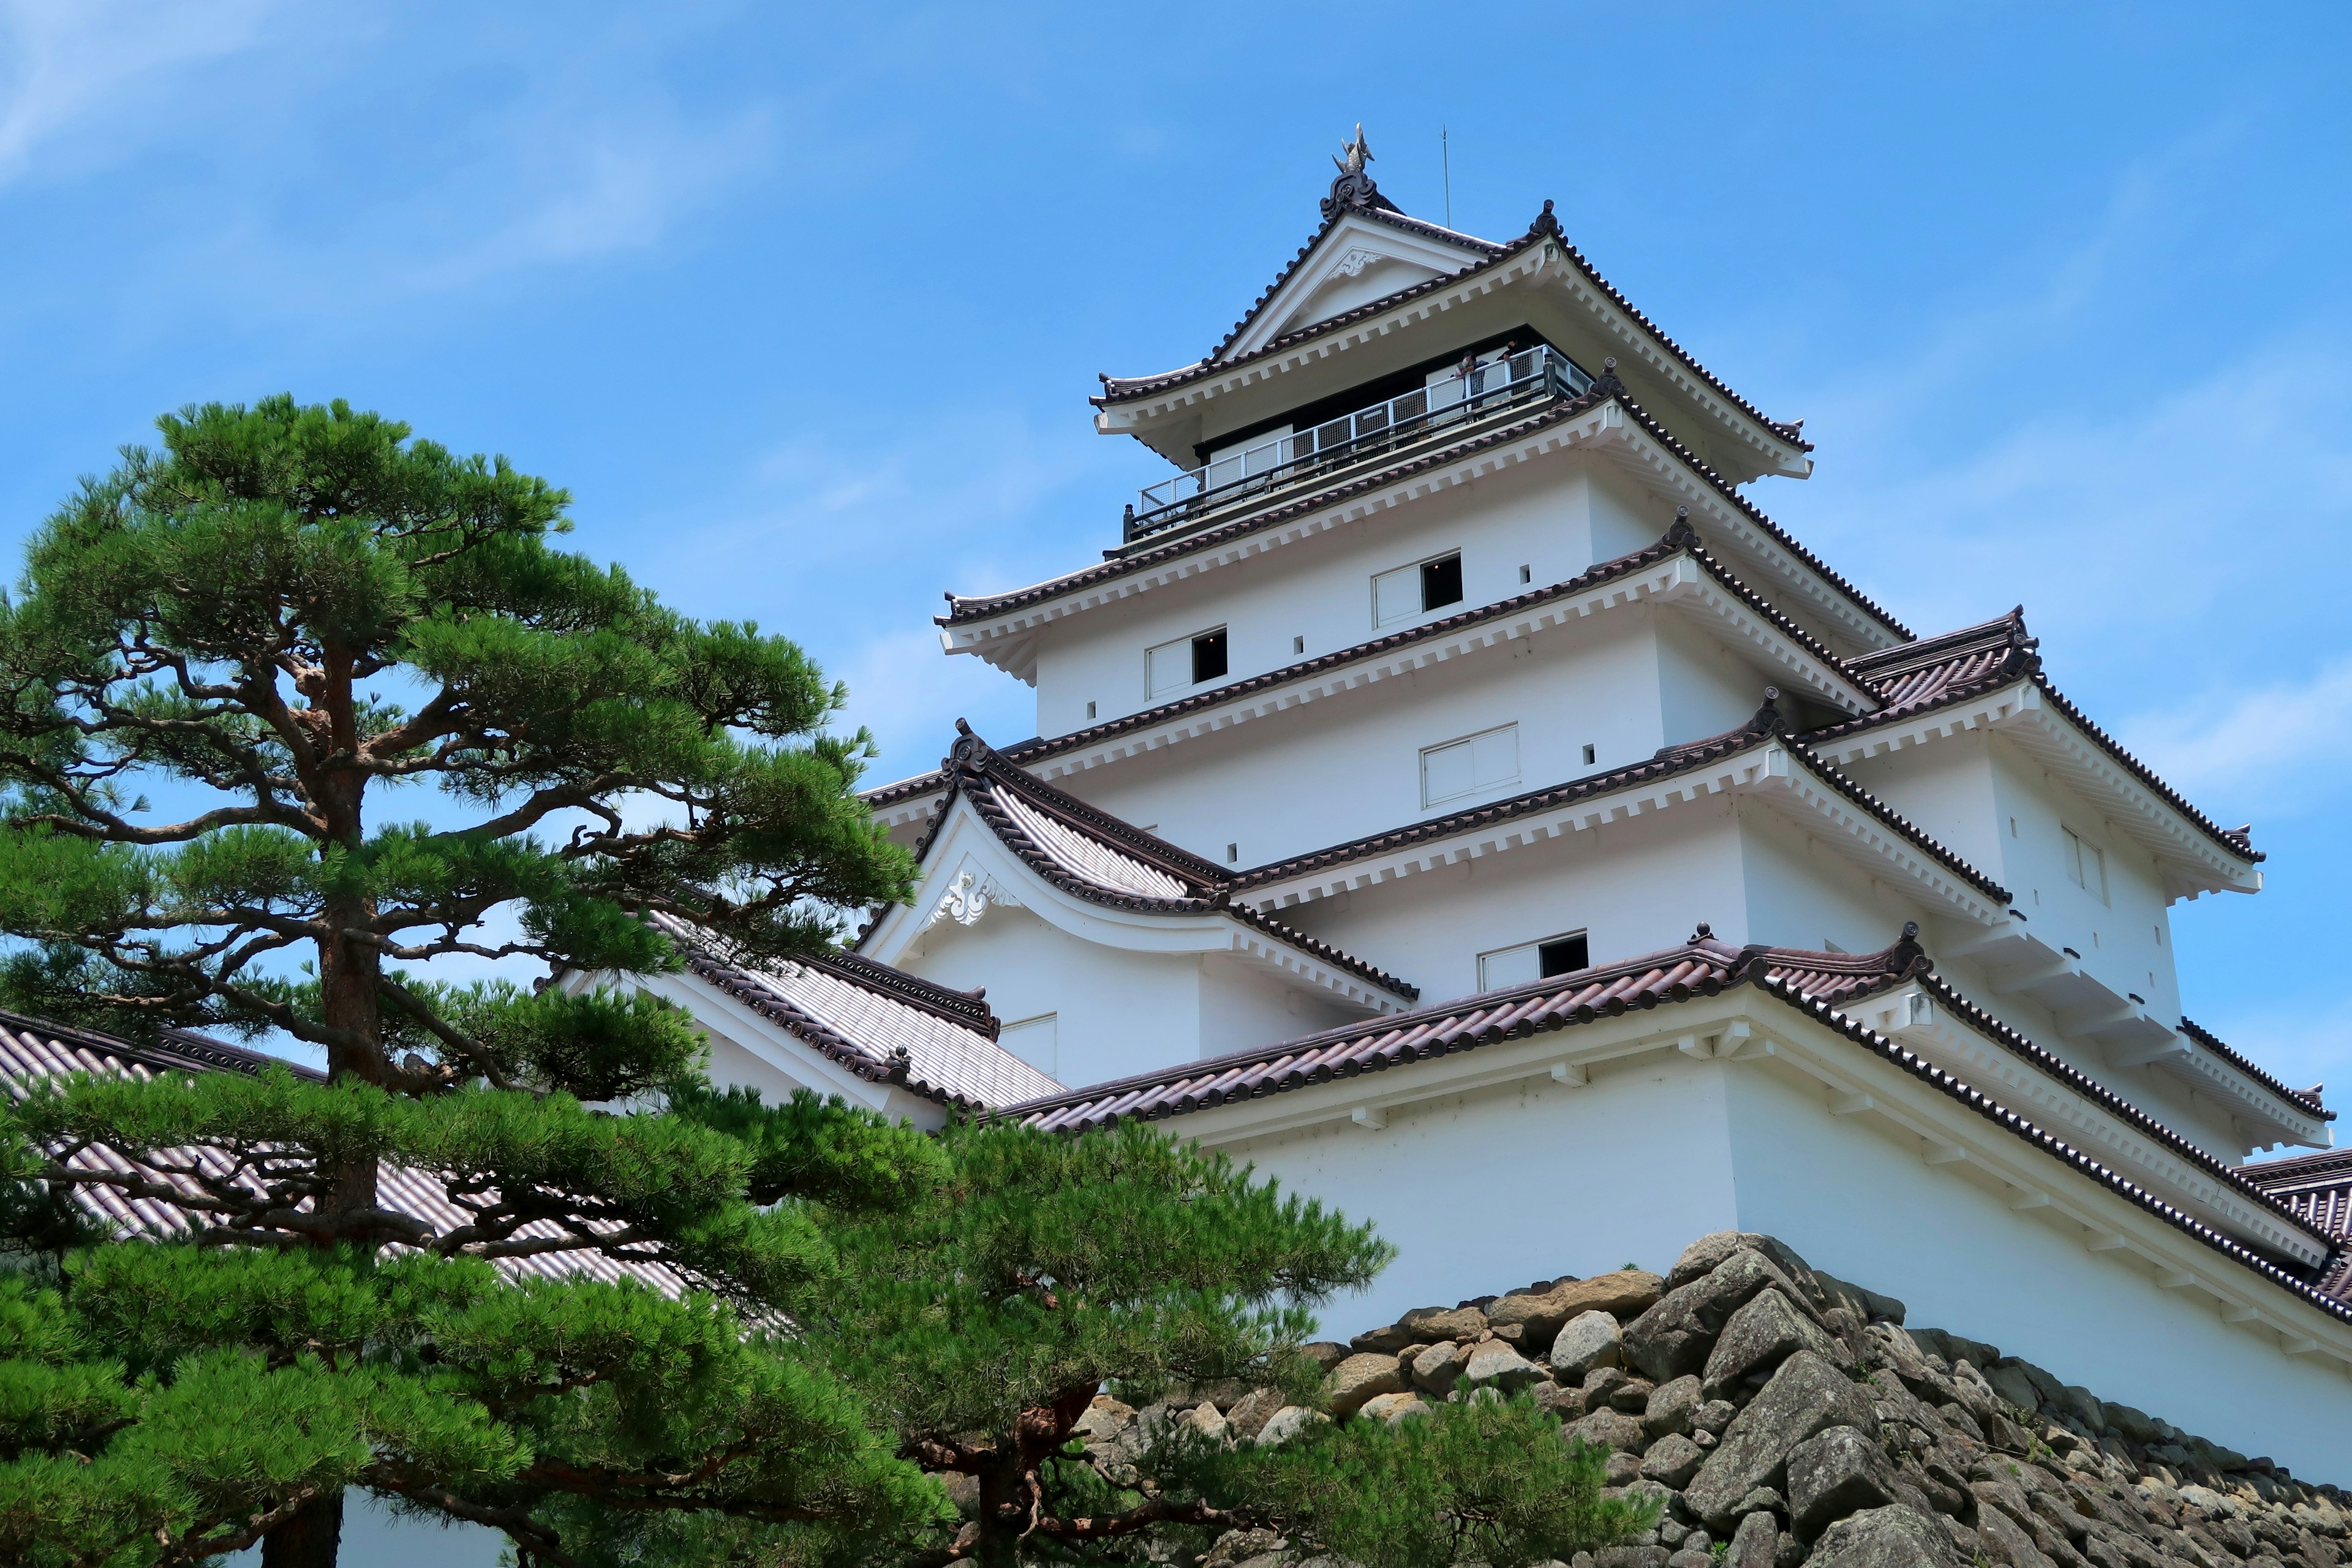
(975,761)
(969,1009)
(962,609)
(172,1048)
(1544,227)
(1764,727)
(1290,1065)
(2308,1099)
(1501,1004)
(977,758)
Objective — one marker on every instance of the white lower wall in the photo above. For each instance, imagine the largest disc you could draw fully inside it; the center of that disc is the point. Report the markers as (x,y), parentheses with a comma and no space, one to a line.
(1869,1210)
(1489,1191)
(1486,1192)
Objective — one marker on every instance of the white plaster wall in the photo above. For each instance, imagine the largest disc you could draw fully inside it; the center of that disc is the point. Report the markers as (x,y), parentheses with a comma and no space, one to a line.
(1242,1005)
(1705,687)
(1870,1211)
(1541,514)
(1350,764)
(1485,1192)
(1118,1011)
(1635,886)
(1987,799)
(1800,891)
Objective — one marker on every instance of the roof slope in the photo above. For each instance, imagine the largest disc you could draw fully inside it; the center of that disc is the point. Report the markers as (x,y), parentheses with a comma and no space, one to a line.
(1766,726)
(33,1050)
(966,608)
(1120,389)
(1814,984)
(882,1024)
(1093,856)
(1934,672)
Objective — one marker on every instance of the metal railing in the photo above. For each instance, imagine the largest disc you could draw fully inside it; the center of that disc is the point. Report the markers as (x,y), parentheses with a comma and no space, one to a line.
(1473,393)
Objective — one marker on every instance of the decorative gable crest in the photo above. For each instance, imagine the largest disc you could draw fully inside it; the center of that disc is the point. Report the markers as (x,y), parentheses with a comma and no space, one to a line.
(1354,189)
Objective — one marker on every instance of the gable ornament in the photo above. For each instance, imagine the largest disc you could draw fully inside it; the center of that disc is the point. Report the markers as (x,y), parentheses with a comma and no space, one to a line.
(968,897)
(1354,188)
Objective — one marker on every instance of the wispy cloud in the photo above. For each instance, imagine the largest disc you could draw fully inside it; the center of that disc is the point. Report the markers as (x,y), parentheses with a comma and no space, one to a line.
(2281,747)
(89,66)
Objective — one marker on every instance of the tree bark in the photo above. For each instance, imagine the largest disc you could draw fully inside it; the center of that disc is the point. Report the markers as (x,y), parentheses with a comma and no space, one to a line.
(312,1539)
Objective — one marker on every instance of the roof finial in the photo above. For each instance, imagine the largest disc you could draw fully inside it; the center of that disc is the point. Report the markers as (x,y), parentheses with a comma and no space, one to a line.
(1703,933)
(1546,222)
(1354,187)
(1609,386)
(1768,719)
(1680,530)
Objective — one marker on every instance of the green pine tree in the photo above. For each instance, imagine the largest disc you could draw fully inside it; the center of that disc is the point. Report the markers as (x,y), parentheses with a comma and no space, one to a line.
(229,665)
(267,627)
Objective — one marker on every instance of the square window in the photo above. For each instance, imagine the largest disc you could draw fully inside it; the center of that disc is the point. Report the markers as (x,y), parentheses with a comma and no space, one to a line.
(2086,865)
(1474,765)
(1564,955)
(1208,655)
(1533,961)
(1441,582)
(1172,666)
(1409,591)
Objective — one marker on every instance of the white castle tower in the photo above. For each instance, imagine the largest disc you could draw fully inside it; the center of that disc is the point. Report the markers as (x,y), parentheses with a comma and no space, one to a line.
(1452,793)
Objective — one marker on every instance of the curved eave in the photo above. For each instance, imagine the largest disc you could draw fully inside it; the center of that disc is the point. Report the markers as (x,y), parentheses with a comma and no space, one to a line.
(1003,628)
(1768,769)
(1139,405)
(967,838)
(2196,856)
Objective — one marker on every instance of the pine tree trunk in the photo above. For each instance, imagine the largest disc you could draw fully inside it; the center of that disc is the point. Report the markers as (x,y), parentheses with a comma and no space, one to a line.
(312,1539)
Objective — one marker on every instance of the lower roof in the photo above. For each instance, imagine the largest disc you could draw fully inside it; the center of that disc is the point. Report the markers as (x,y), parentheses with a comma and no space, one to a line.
(1816,983)
(34,1050)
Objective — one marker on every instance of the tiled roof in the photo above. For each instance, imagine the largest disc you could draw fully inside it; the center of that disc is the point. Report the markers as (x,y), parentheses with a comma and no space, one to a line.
(32,1051)
(962,610)
(1934,672)
(1874,975)
(1092,855)
(1763,729)
(882,1024)
(1546,226)
(2306,1097)
(1678,539)
(2317,1188)
(1381,210)
(1703,967)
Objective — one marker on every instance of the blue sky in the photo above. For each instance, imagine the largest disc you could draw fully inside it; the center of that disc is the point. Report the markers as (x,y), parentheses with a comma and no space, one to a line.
(803,303)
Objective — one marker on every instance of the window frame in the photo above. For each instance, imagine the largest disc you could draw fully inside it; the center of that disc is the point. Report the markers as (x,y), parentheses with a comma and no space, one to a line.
(1475,789)
(1416,573)
(1186,649)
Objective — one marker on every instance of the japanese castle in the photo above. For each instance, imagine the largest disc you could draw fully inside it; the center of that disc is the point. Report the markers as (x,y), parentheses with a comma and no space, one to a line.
(1452,794)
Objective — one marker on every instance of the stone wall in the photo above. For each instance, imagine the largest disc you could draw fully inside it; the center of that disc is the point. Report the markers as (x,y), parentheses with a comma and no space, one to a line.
(1783,1416)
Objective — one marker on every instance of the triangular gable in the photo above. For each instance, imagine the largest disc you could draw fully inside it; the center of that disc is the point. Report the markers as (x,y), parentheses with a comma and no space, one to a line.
(1004,839)
(1361,254)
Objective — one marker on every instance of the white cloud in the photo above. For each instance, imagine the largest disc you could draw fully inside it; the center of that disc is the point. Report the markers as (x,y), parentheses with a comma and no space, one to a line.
(2272,749)
(596,183)
(80,64)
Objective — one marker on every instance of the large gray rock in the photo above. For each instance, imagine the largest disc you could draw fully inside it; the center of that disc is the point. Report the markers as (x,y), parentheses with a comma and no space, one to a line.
(1610,1429)
(1248,1418)
(1673,1461)
(1428,1323)
(1671,1407)
(1623,1294)
(1891,1537)
(1835,1473)
(1497,1365)
(1435,1368)
(2007,1544)
(1590,1340)
(1359,1378)
(1759,1337)
(1807,1395)
(1709,1253)
(1753,1542)
(1675,1336)
(1287,1423)
(1392,1407)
